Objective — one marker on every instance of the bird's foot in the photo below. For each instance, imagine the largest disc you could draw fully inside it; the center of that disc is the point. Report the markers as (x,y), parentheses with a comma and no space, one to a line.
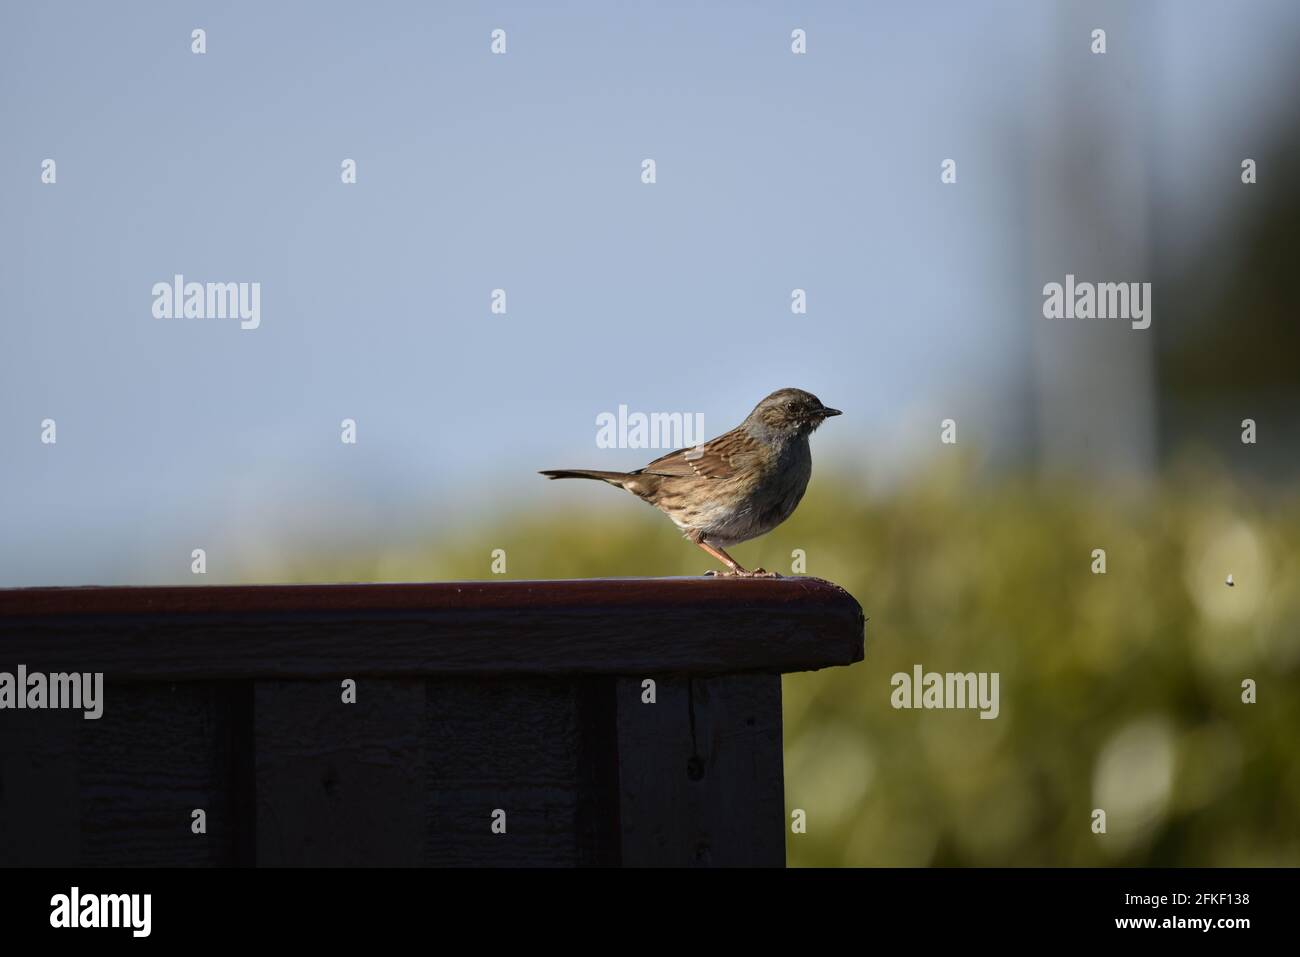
(741,573)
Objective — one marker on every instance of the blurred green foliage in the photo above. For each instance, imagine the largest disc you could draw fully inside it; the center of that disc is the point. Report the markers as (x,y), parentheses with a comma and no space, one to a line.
(1120,691)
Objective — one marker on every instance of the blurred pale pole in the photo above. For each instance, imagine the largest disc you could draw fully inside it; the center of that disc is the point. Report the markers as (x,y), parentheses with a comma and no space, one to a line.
(1088,215)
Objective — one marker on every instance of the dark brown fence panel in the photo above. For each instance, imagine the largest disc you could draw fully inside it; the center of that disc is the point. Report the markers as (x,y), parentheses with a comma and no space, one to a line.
(701,777)
(519,703)
(340,784)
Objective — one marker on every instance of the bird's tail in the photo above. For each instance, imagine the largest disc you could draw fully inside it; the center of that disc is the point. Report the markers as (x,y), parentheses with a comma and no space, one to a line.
(613,478)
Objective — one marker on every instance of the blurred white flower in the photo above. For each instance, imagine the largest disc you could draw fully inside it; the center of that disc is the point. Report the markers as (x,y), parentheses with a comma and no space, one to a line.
(1132,781)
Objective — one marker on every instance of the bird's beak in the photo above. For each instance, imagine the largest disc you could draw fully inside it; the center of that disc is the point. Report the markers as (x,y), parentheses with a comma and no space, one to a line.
(827,413)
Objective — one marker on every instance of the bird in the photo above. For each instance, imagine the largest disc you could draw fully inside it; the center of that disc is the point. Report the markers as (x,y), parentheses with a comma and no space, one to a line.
(735,487)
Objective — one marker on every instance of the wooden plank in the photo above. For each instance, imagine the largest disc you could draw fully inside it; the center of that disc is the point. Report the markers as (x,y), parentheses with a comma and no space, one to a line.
(158,753)
(412,773)
(40,807)
(610,627)
(512,745)
(119,790)
(599,833)
(700,772)
(340,785)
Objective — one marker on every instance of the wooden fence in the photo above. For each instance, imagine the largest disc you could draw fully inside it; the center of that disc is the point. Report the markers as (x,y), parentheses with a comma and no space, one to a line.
(494,723)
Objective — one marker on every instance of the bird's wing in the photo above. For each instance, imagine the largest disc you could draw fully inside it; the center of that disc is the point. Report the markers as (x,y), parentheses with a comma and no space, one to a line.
(718,458)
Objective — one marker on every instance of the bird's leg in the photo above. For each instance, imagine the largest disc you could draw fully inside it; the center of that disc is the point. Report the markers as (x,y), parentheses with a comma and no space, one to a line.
(730,562)
(719,554)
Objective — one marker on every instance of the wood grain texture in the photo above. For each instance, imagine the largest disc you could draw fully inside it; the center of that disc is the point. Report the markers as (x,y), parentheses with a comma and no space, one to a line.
(412,772)
(159,752)
(471,697)
(340,785)
(633,626)
(511,745)
(119,791)
(700,773)
(409,775)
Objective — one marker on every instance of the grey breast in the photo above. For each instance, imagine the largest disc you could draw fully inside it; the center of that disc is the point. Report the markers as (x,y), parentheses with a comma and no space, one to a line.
(780,494)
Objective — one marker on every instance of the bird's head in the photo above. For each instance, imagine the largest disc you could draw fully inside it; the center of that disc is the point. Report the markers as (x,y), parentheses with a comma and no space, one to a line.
(789,412)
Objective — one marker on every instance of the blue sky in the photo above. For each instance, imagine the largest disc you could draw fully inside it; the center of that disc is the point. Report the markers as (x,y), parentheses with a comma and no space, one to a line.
(519,172)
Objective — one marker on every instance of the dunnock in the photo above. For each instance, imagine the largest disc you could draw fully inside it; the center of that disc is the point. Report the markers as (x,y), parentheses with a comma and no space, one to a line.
(736,487)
